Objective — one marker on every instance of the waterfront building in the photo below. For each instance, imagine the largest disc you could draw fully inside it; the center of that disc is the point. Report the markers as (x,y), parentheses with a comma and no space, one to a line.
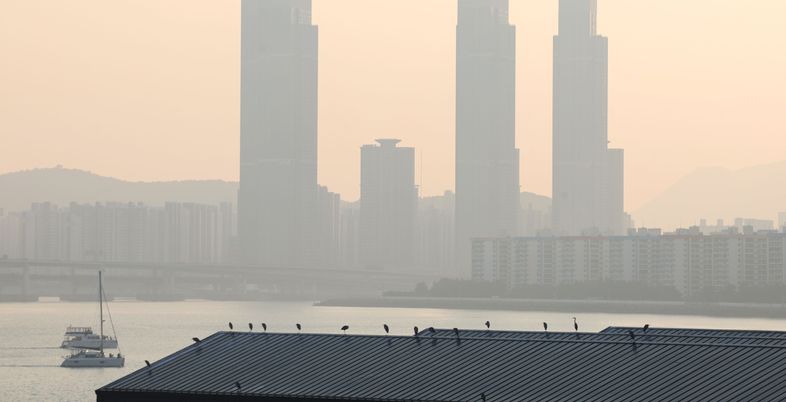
(686,260)
(277,199)
(388,205)
(487,160)
(588,178)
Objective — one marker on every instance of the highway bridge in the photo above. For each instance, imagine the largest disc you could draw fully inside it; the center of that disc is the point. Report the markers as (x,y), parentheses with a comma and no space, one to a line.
(30,280)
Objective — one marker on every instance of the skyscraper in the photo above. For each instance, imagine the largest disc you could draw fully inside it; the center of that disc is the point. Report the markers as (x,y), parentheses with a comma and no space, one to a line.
(487,161)
(278,133)
(388,205)
(587,190)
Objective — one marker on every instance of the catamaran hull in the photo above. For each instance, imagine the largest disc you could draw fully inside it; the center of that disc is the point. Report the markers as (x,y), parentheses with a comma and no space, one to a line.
(78,362)
(89,344)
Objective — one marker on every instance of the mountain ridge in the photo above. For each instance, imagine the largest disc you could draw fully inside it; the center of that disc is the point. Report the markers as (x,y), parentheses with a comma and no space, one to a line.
(755,191)
(62,186)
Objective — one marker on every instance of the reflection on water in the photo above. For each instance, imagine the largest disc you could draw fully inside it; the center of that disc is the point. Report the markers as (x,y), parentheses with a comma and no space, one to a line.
(30,333)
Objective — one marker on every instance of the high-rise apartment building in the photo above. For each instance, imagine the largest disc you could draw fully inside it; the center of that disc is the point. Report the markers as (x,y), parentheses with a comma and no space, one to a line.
(388,205)
(587,176)
(487,161)
(277,200)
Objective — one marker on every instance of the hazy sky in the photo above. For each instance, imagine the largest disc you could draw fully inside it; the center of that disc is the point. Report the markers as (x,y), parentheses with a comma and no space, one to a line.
(149,89)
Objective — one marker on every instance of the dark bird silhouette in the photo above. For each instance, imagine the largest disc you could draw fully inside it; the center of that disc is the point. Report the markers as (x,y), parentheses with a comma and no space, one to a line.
(387,329)
(237,384)
(196,340)
(646,327)
(264,326)
(147,363)
(432,330)
(298,327)
(632,335)
(483,396)
(575,324)
(545,326)
(456,331)
(231,327)
(416,331)
(488,324)
(250,326)
(345,328)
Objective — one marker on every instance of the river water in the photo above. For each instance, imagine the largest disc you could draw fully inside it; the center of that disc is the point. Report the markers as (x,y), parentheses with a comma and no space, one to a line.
(30,333)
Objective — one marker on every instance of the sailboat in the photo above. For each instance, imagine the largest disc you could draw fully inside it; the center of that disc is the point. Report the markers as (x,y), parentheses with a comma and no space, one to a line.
(96,358)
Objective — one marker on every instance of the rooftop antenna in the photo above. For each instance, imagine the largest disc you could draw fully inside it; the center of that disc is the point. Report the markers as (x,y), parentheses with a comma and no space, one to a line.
(345,328)
(264,327)
(387,329)
(488,324)
(250,327)
(196,340)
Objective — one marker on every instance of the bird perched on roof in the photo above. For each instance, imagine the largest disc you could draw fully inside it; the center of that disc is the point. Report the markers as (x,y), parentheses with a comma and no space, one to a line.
(298,327)
(646,327)
(545,326)
(264,327)
(488,324)
(345,328)
(250,326)
(387,329)
(147,363)
(231,327)
(575,324)
(432,330)
(416,331)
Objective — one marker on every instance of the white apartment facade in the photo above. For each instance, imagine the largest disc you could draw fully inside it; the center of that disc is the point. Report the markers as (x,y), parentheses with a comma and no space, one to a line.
(685,260)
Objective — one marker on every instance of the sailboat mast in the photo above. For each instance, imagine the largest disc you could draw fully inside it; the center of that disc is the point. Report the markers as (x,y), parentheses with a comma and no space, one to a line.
(101,310)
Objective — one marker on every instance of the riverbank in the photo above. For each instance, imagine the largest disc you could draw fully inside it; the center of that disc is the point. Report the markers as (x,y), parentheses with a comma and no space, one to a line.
(738,310)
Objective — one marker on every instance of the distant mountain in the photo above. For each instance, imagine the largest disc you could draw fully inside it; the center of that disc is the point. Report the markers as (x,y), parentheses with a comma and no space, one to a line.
(63,186)
(712,193)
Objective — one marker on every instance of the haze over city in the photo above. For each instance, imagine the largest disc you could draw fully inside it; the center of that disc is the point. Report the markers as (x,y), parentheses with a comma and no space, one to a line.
(301,200)
(95,85)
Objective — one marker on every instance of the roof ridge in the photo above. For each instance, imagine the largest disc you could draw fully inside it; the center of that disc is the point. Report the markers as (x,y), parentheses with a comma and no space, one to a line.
(533,339)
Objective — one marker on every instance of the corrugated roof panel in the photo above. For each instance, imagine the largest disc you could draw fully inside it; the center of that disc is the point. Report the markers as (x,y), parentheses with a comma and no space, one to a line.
(665,364)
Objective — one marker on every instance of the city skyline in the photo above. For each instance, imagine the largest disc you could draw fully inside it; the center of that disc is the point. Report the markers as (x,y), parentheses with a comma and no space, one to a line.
(754,103)
(359,186)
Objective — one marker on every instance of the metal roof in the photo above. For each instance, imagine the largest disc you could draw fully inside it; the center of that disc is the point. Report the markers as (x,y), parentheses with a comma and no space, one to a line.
(621,334)
(503,366)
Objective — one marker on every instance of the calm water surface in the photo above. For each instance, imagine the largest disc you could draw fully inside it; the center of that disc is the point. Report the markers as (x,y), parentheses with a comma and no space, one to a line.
(31,333)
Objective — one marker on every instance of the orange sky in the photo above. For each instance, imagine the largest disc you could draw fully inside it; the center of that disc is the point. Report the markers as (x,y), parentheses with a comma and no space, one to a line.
(149,89)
